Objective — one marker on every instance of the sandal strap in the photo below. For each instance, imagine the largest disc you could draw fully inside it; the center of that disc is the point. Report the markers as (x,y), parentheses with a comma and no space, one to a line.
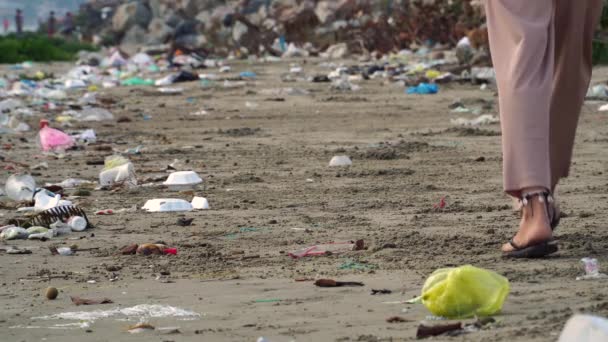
(544,196)
(514,245)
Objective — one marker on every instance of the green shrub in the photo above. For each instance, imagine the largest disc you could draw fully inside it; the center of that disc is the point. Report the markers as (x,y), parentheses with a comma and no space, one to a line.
(39,48)
(600,44)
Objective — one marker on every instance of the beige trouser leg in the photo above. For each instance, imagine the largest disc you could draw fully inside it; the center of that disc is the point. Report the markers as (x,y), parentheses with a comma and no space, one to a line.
(541,51)
(575,24)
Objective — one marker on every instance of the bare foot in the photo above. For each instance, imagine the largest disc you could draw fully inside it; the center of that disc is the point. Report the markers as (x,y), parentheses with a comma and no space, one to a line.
(534,227)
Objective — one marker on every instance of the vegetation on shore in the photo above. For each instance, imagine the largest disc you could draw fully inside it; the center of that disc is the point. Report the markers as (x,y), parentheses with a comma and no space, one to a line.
(39,48)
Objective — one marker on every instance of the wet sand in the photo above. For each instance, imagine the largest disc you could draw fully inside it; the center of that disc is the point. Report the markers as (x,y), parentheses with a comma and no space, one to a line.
(232,267)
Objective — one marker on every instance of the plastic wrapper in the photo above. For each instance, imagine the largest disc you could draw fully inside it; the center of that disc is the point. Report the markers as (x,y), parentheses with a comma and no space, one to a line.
(592,270)
(114,161)
(51,139)
(465,291)
(13,233)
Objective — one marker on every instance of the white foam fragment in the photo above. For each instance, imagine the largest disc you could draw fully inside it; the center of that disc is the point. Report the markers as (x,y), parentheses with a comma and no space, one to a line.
(137,311)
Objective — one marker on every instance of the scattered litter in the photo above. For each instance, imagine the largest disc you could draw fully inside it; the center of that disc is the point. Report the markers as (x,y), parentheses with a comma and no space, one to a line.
(441,205)
(328,249)
(171,90)
(105,212)
(270,300)
(20,187)
(71,183)
(464,291)
(484,74)
(15,250)
(89,114)
(154,249)
(51,139)
(344,84)
(333,283)
(184,222)
(51,216)
(425,331)
(592,270)
(63,251)
(423,89)
(182,180)
(585,328)
(141,311)
(117,169)
(340,161)
(485,119)
(352,265)
(83,301)
(13,233)
(167,205)
(44,200)
(251,105)
(77,223)
(247,74)
(598,91)
(41,166)
(381,291)
(140,327)
(397,319)
(200,203)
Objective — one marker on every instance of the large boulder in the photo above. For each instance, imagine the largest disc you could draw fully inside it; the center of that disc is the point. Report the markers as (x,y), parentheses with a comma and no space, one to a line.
(131,14)
(158,31)
(156,7)
(191,41)
(172,19)
(134,36)
(189,8)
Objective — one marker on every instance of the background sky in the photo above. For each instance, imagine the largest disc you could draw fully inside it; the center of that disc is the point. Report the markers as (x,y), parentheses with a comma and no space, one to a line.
(35,9)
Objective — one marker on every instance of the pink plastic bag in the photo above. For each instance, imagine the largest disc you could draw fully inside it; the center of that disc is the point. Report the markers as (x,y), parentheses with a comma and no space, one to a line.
(51,139)
(328,248)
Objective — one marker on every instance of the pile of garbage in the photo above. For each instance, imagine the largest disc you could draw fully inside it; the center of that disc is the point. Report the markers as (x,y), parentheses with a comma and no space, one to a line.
(284,27)
(59,104)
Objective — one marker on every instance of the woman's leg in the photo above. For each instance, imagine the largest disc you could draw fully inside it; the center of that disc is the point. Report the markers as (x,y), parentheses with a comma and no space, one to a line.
(575,23)
(522,41)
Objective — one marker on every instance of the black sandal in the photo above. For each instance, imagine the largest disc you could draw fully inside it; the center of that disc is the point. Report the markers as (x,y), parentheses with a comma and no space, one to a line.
(541,249)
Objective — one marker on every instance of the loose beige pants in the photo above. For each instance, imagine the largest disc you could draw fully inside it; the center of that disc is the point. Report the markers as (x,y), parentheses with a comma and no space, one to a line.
(541,50)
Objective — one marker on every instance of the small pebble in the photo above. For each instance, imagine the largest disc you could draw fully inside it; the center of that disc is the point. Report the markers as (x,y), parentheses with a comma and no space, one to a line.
(51,293)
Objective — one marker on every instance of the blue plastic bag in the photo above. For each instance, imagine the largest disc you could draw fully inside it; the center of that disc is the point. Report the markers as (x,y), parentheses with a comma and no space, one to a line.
(423,89)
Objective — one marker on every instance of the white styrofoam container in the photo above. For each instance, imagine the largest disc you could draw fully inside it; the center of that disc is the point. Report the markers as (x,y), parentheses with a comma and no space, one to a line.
(183,180)
(200,203)
(585,328)
(159,205)
(340,161)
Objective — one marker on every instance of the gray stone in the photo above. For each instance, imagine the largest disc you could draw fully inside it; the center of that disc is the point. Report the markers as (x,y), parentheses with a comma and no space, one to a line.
(134,36)
(129,15)
(158,31)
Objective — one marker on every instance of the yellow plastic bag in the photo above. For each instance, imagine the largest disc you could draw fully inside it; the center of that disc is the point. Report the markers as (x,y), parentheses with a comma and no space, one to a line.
(464,291)
(432,74)
(114,161)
